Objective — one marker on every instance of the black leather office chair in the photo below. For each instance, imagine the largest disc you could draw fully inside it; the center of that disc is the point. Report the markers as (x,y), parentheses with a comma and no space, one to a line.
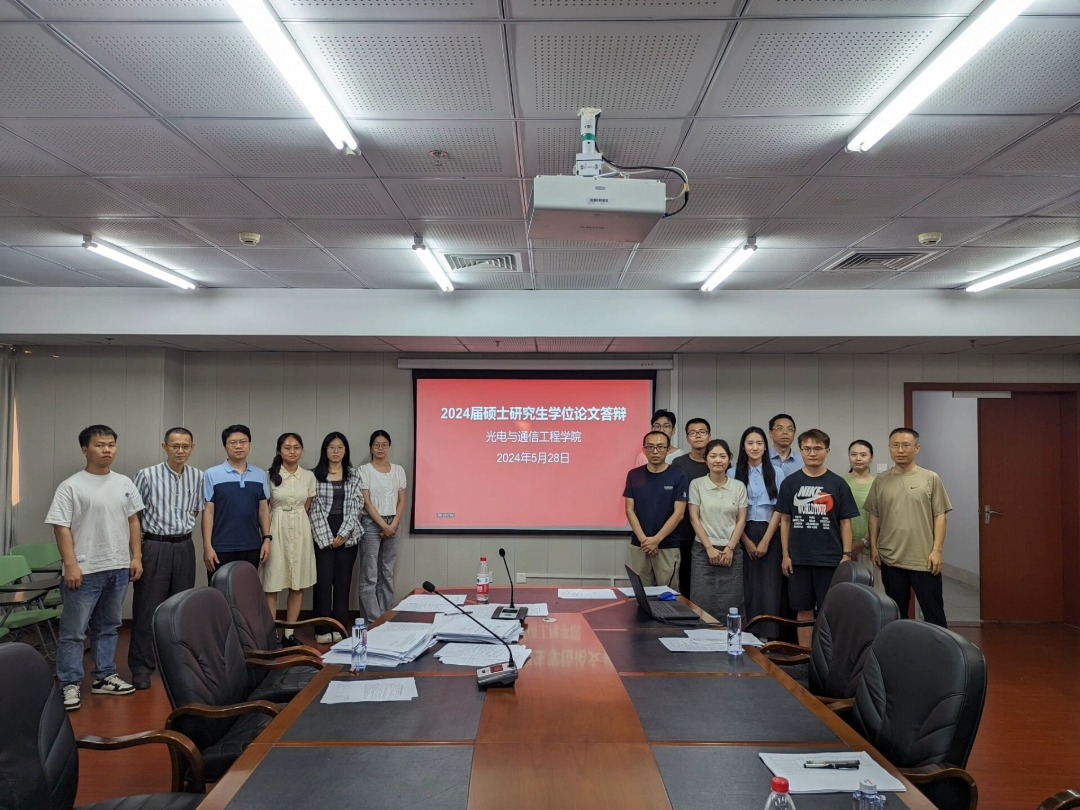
(206,677)
(847,571)
(239,583)
(39,760)
(919,702)
(1065,800)
(849,621)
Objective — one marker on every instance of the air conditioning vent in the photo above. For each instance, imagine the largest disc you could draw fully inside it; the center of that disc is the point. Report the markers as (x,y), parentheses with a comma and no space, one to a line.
(891,261)
(483,262)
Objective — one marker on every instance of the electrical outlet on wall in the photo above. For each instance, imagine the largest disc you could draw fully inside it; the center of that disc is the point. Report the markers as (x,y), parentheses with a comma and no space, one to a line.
(881,467)
(522,579)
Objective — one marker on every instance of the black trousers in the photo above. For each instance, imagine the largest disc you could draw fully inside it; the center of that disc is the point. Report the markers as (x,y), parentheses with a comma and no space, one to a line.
(251,556)
(333,572)
(168,568)
(900,582)
(686,546)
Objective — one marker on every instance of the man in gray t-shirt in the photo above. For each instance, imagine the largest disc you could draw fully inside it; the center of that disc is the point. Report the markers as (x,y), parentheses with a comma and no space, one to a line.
(95,518)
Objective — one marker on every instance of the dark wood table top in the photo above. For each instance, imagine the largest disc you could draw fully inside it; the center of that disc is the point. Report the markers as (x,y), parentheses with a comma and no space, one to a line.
(601,716)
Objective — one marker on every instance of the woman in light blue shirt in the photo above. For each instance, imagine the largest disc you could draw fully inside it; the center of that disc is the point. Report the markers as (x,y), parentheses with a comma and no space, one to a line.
(763,579)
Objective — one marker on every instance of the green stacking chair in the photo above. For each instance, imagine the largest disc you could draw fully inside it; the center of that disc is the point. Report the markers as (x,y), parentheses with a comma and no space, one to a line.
(22,603)
(45,563)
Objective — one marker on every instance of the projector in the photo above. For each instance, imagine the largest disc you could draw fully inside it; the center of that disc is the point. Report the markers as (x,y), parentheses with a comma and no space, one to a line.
(595,209)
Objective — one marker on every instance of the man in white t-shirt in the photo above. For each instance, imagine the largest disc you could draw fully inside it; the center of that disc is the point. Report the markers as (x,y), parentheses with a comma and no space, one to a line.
(95,518)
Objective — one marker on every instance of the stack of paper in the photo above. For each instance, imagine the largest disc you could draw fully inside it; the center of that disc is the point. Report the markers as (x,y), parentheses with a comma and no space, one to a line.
(430,603)
(720,637)
(389,644)
(481,655)
(803,779)
(586,593)
(487,611)
(375,690)
(456,627)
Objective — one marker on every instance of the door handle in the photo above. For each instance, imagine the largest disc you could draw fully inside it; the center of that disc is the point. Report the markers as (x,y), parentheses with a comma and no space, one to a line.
(989,513)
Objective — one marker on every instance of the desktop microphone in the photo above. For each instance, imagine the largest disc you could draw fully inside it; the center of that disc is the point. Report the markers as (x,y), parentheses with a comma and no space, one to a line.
(511,612)
(499,675)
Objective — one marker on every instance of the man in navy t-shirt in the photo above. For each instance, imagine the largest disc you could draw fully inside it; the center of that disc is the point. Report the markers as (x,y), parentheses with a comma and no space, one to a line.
(656,495)
(816,507)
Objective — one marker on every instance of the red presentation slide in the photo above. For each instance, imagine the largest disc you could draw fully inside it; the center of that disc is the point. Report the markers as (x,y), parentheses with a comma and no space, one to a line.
(526,454)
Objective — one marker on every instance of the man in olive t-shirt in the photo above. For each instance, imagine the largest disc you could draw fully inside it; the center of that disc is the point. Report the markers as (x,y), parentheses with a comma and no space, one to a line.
(906,511)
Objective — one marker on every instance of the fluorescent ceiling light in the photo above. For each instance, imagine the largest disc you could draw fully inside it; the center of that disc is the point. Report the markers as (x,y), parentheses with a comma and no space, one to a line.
(135,263)
(1063,255)
(967,41)
(431,264)
(730,264)
(271,35)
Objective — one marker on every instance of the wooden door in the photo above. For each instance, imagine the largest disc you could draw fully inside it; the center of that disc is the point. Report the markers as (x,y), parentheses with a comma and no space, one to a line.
(1020,477)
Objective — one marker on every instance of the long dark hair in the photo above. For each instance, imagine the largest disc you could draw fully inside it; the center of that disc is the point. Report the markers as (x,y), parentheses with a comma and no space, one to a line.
(379,434)
(742,466)
(275,465)
(322,469)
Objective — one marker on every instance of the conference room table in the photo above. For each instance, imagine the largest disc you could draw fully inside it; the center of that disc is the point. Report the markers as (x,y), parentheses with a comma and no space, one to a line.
(601,716)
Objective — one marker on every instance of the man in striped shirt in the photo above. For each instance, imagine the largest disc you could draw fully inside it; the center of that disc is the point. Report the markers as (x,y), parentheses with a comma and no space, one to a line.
(173,496)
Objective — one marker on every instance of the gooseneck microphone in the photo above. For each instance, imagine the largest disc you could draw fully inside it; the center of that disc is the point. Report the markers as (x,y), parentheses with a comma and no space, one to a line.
(511,612)
(499,675)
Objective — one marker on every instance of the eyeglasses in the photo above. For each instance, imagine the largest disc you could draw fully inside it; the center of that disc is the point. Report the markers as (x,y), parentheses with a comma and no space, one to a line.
(239,443)
(813,451)
(656,448)
(292,448)
(662,426)
(697,433)
(780,429)
(180,448)
(380,446)
(902,446)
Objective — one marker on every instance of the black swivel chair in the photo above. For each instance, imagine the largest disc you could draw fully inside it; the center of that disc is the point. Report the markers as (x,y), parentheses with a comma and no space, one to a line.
(39,760)
(919,702)
(847,571)
(1065,800)
(206,677)
(849,621)
(239,583)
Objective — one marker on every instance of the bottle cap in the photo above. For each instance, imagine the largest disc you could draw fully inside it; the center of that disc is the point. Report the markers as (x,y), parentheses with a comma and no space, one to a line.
(868,786)
(483,559)
(779,784)
(733,611)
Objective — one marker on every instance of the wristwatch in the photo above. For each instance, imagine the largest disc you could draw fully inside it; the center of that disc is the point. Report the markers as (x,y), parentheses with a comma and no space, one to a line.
(268,537)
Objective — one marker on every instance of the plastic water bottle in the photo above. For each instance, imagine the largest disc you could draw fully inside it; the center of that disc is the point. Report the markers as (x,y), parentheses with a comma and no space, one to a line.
(867,797)
(734,632)
(779,799)
(483,582)
(359,646)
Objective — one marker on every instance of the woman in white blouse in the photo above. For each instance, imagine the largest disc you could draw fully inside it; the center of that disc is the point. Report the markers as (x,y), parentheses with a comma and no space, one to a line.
(383,485)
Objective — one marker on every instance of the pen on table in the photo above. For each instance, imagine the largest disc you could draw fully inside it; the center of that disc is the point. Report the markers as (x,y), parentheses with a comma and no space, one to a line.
(833,765)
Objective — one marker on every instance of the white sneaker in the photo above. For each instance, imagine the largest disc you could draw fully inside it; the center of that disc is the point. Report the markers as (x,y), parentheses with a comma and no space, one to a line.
(72,697)
(323,638)
(112,685)
(336,636)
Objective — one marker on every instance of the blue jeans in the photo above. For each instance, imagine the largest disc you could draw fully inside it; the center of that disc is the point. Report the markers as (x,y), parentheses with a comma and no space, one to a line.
(97,605)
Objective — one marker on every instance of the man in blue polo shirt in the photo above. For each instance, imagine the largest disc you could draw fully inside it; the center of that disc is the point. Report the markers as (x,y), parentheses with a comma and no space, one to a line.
(236,521)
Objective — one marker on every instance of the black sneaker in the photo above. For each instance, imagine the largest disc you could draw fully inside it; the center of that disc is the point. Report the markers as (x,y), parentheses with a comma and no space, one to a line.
(112,685)
(140,681)
(291,641)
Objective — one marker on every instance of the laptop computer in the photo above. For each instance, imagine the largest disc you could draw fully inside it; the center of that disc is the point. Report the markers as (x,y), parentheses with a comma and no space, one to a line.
(656,609)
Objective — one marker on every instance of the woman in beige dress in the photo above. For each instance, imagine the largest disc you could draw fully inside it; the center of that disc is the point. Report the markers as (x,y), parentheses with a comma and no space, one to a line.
(292,559)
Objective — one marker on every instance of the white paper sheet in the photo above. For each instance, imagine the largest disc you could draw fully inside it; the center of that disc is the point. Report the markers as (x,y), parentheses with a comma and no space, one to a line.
(430,603)
(481,655)
(714,636)
(680,644)
(375,690)
(650,590)
(814,780)
(586,593)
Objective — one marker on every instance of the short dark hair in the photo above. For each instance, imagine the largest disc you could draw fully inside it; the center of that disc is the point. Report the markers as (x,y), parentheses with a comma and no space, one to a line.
(863,442)
(173,430)
(645,438)
(778,417)
(817,434)
(664,414)
(697,420)
(912,431)
(231,429)
(86,434)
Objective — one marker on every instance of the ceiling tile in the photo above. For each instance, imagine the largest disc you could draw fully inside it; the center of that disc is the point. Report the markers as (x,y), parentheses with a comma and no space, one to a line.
(572,344)
(722,345)
(762,146)
(41,76)
(931,279)
(36,231)
(365,263)
(1069,207)
(646,345)
(935,144)
(819,66)
(381,278)
(869,345)
(625,68)
(200,197)
(280,343)
(580,261)
(136,232)
(402,149)
(996,196)
(414,70)
(349,343)
(17,157)
(473,236)
(1033,232)
(978,259)
(30,269)
(1062,280)
(843,280)
(133,10)
(316,279)
(364,199)
(675,232)
(826,197)
(286,259)
(804,233)
(772,260)
(841,8)
(676,262)
(197,263)
(740,197)
(276,147)
(457,199)
(903,234)
(72,197)
(398,9)
(354,233)
(275,233)
(191,69)
(948,345)
(116,146)
(672,280)
(494,345)
(795,345)
(1052,150)
(577,281)
(1031,66)
(643,9)
(425,344)
(751,279)
(491,281)
(551,147)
